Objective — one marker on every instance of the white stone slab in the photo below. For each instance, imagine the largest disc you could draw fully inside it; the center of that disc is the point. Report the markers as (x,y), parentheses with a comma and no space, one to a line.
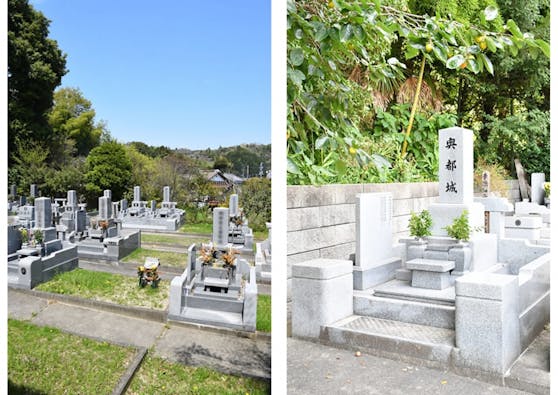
(373,228)
(493,204)
(537,189)
(455,165)
(322,269)
(430,265)
(443,215)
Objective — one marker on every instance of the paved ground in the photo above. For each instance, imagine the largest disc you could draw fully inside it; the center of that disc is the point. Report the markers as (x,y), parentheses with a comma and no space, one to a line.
(317,369)
(227,353)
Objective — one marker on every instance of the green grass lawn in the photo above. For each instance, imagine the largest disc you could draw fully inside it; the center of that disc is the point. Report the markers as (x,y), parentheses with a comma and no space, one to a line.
(202,228)
(171,240)
(108,287)
(158,376)
(263,316)
(166,258)
(43,360)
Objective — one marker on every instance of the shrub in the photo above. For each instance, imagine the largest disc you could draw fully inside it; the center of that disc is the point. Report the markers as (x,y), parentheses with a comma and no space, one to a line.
(420,224)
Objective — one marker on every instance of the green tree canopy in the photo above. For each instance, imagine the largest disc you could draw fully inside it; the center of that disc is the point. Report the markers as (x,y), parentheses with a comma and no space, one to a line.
(35,68)
(72,120)
(222,163)
(255,200)
(107,167)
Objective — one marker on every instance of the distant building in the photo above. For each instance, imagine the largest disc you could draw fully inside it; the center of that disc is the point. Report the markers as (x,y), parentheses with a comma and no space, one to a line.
(224,181)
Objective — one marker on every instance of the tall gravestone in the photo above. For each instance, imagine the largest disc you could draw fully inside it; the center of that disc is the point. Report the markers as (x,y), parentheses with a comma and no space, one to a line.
(375,262)
(107,193)
(220,226)
(72,199)
(153,205)
(43,213)
(233,205)
(166,194)
(137,194)
(105,208)
(34,191)
(13,190)
(455,185)
(123,205)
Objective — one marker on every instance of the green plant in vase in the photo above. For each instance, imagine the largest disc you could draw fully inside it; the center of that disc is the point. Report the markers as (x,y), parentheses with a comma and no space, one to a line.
(546,187)
(38,236)
(24,235)
(460,228)
(420,224)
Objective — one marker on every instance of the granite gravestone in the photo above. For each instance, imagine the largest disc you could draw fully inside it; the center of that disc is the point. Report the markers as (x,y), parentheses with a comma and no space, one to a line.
(220,226)
(233,205)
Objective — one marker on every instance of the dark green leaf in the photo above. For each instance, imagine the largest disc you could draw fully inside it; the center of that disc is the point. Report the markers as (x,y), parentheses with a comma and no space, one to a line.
(488,64)
(321,141)
(543,45)
(346,32)
(292,167)
(320,31)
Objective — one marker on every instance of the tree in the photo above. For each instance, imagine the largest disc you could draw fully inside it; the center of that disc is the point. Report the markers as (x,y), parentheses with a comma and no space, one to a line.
(222,163)
(29,166)
(35,68)
(242,159)
(107,167)
(72,118)
(255,200)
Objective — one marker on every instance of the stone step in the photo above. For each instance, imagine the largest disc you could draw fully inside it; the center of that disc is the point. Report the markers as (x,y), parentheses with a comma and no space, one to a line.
(210,317)
(392,339)
(398,289)
(214,304)
(403,274)
(430,265)
(413,312)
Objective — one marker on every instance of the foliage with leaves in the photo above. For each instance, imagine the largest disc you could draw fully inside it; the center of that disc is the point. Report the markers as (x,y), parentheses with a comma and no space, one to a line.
(255,200)
(460,228)
(107,167)
(341,69)
(35,68)
(420,224)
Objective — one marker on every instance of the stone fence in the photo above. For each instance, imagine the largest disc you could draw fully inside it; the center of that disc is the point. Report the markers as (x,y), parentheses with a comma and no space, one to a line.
(321,219)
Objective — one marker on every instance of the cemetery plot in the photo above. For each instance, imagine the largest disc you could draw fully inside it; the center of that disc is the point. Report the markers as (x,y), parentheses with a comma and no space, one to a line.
(167,240)
(158,376)
(106,287)
(167,258)
(45,360)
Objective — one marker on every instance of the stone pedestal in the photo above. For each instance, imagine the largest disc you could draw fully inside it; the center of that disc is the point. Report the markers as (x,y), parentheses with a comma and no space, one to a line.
(487,321)
(322,293)
(495,209)
(524,227)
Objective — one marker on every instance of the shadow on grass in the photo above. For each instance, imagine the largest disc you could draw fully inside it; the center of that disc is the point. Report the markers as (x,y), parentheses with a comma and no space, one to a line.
(17,389)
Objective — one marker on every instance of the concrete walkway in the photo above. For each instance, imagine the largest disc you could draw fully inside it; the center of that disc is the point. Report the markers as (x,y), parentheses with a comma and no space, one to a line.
(220,350)
(317,369)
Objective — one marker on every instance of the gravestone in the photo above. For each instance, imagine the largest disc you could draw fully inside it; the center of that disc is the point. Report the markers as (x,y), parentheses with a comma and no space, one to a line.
(233,205)
(375,262)
(34,191)
(13,190)
(153,205)
(107,193)
(455,183)
(72,199)
(105,208)
(123,205)
(166,194)
(220,226)
(137,194)
(22,201)
(485,183)
(537,188)
(43,213)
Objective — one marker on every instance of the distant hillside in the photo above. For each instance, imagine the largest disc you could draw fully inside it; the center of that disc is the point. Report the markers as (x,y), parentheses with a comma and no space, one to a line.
(245,158)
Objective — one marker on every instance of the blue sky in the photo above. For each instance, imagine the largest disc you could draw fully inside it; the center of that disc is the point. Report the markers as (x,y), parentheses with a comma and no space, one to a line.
(185,74)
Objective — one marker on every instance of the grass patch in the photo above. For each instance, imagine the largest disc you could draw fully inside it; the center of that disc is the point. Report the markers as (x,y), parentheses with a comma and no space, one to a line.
(263,316)
(158,376)
(171,240)
(166,258)
(108,287)
(202,228)
(45,360)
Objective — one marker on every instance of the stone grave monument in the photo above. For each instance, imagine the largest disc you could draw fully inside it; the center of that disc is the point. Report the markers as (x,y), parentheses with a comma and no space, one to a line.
(42,254)
(212,292)
(239,232)
(471,308)
(141,216)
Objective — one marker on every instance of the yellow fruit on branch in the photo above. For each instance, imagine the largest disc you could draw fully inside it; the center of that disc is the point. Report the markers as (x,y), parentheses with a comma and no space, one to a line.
(352,151)
(429,47)
(482,45)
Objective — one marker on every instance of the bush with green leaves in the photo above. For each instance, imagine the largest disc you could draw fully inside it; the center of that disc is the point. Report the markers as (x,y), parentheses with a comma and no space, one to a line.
(460,228)
(420,224)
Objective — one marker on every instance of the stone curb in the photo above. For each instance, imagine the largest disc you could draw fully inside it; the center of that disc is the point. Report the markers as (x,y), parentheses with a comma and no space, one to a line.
(140,312)
(127,377)
(135,312)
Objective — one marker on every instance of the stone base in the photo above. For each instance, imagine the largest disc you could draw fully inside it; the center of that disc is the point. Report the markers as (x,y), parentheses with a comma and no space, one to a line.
(443,215)
(431,280)
(364,278)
